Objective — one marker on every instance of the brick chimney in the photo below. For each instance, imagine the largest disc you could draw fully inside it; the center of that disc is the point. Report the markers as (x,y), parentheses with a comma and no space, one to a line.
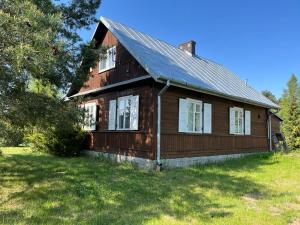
(189,46)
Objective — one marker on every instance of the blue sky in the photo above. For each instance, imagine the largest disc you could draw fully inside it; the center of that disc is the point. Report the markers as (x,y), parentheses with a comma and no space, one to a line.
(257,40)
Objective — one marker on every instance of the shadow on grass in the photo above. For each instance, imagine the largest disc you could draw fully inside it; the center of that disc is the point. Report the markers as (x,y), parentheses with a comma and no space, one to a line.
(94,191)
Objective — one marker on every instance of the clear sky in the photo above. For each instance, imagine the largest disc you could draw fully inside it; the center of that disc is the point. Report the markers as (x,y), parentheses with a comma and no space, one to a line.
(259,40)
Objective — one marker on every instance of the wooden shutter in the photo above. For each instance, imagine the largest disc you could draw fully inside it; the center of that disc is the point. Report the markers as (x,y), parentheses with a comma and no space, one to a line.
(182,121)
(247,122)
(231,121)
(134,113)
(112,115)
(207,118)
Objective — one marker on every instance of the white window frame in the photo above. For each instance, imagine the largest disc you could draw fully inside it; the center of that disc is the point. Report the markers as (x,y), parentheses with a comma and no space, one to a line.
(183,120)
(126,99)
(109,59)
(239,121)
(92,116)
(195,104)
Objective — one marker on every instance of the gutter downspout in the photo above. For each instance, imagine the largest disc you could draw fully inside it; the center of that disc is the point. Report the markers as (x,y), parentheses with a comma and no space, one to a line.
(270,128)
(160,93)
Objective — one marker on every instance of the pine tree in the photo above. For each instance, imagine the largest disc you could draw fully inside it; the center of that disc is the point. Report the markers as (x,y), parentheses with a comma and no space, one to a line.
(39,41)
(290,112)
(270,96)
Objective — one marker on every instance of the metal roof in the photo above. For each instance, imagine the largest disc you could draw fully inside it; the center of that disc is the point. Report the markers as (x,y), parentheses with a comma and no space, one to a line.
(166,62)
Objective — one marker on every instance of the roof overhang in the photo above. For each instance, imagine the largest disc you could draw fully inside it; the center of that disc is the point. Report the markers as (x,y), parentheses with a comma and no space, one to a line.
(218,94)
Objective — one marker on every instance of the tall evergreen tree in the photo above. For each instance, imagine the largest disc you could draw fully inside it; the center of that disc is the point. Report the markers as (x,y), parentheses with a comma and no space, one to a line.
(39,41)
(290,112)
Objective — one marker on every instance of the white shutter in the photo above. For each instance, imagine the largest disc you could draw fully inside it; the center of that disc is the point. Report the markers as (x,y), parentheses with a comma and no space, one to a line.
(93,116)
(182,122)
(207,118)
(113,56)
(103,62)
(112,115)
(134,113)
(247,122)
(231,121)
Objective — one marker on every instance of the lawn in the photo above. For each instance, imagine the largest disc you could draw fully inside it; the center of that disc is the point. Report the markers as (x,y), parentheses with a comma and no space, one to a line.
(43,189)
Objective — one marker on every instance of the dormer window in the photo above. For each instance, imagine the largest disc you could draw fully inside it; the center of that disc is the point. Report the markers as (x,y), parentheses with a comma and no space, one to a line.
(109,60)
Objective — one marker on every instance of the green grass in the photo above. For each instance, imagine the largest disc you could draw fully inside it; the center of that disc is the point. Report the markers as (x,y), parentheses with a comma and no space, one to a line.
(43,189)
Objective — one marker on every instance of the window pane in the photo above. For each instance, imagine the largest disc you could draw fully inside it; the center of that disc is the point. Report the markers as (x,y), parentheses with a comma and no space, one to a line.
(241,122)
(190,116)
(127,113)
(121,104)
(127,119)
(236,121)
(197,108)
(121,120)
(197,122)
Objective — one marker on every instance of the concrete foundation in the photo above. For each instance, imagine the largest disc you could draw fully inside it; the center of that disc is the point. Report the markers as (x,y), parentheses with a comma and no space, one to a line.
(166,163)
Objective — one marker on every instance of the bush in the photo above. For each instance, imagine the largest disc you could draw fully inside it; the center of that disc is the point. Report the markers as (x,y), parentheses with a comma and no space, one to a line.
(10,135)
(58,141)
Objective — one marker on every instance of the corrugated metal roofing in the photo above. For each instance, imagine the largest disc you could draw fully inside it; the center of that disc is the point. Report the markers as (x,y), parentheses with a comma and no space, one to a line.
(164,61)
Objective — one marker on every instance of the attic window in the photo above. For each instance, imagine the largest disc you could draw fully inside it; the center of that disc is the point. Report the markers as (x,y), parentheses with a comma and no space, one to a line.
(109,60)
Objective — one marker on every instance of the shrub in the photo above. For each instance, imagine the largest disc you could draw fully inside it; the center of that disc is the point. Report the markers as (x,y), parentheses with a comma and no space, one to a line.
(58,141)
(10,135)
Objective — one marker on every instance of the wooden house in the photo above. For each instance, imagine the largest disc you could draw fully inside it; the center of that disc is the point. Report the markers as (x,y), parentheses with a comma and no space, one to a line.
(156,104)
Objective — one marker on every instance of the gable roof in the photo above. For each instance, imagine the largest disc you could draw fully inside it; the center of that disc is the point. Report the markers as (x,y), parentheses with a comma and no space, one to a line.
(166,62)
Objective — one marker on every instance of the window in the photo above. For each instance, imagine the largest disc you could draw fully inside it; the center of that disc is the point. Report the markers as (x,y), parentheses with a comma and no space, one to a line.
(109,60)
(193,117)
(89,116)
(126,114)
(240,121)
(124,108)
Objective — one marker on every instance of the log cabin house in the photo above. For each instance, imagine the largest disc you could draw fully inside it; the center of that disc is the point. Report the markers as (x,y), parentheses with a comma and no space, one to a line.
(156,104)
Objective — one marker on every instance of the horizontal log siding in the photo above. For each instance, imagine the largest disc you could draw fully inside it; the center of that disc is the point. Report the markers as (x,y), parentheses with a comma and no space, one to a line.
(138,143)
(276,123)
(175,144)
(126,67)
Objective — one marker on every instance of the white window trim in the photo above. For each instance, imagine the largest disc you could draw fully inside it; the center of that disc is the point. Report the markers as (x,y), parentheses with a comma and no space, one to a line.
(198,102)
(118,110)
(243,122)
(84,106)
(114,63)
(130,114)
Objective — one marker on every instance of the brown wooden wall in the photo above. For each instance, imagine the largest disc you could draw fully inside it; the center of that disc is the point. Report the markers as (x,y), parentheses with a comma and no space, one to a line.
(276,123)
(138,143)
(175,144)
(126,65)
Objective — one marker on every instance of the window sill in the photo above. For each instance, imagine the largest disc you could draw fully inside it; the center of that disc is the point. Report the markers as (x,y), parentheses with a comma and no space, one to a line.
(124,130)
(189,132)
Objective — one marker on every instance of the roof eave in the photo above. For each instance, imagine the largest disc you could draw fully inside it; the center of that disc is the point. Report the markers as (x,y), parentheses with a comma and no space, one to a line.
(210,92)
